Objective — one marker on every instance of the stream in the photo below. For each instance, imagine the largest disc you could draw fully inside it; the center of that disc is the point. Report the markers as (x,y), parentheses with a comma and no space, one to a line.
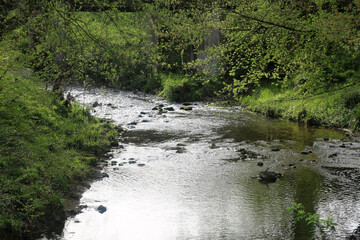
(192,175)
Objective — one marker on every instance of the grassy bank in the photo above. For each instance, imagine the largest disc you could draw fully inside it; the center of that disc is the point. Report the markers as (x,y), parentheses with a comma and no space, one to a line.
(177,87)
(46,147)
(335,108)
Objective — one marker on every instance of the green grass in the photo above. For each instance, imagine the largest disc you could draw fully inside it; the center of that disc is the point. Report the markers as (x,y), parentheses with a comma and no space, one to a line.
(339,109)
(45,148)
(177,87)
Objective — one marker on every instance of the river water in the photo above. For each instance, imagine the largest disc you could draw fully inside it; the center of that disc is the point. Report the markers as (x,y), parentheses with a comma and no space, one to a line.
(194,175)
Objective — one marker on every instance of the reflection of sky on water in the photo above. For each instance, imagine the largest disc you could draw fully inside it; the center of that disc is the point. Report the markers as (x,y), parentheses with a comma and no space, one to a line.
(198,195)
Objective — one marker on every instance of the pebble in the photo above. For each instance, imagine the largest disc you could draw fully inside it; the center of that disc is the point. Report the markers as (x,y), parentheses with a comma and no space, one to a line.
(306,152)
(182,144)
(95,104)
(169,109)
(101,209)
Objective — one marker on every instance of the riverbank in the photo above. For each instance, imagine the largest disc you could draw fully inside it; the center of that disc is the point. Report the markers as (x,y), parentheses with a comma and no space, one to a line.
(332,109)
(338,107)
(49,150)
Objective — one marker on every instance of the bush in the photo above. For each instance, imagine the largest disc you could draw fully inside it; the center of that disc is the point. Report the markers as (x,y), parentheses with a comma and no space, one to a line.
(177,87)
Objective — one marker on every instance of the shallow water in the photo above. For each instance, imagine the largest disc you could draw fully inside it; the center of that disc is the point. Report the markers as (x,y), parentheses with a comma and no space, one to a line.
(205,188)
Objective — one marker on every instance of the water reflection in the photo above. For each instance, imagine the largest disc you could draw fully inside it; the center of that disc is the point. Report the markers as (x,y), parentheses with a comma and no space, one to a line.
(259,128)
(194,193)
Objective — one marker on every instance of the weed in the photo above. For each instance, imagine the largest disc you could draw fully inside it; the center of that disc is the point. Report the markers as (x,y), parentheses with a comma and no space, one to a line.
(311,218)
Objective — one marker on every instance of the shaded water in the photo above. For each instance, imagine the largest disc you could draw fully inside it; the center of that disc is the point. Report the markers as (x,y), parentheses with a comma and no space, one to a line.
(204,188)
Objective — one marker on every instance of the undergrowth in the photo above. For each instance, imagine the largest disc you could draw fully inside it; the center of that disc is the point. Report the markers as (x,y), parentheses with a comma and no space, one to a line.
(177,87)
(45,148)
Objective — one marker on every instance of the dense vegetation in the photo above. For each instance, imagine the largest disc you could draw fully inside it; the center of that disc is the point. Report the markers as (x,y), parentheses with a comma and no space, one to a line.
(47,145)
(295,59)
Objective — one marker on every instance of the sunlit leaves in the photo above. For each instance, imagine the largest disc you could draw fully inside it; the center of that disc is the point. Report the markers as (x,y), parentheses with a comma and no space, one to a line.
(311,219)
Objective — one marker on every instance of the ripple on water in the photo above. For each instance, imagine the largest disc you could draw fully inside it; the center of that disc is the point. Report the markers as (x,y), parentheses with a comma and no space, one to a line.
(196,193)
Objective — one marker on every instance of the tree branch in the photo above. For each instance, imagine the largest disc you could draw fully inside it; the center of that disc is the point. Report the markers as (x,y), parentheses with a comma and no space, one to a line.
(87,33)
(4,73)
(271,23)
(317,94)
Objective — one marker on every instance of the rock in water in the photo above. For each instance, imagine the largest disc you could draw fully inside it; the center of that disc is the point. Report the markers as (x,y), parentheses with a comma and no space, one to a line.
(186,108)
(169,109)
(182,144)
(95,104)
(268,176)
(101,209)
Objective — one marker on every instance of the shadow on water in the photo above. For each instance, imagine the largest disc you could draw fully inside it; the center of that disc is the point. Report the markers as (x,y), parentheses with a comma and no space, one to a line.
(147,136)
(259,128)
(307,184)
(270,203)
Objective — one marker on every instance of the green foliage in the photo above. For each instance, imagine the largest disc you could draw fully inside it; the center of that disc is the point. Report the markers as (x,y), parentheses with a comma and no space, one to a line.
(108,48)
(332,109)
(304,47)
(42,147)
(351,99)
(311,219)
(307,47)
(178,87)
(298,60)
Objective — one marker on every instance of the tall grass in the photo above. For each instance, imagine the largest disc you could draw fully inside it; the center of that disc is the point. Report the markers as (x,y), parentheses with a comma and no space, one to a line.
(45,148)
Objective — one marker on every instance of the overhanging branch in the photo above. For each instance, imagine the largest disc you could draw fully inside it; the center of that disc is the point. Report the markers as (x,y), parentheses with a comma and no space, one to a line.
(317,94)
(271,23)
